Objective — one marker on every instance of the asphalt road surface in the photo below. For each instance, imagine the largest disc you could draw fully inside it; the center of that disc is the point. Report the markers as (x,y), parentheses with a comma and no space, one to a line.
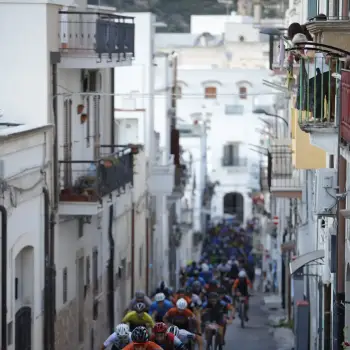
(255,335)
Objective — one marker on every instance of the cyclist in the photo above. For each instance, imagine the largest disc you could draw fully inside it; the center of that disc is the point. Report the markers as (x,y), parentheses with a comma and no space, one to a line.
(180,315)
(214,311)
(140,340)
(160,307)
(197,288)
(139,317)
(167,341)
(140,297)
(119,339)
(181,294)
(241,287)
(186,337)
(163,288)
(206,274)
(212,286)
(195,277)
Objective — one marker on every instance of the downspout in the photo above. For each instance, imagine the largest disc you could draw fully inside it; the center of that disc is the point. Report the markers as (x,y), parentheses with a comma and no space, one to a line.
(111,271)
(147,255)
(283,272)
(55,206)
(132,250)
(3,277)
(46,323)
(112,135)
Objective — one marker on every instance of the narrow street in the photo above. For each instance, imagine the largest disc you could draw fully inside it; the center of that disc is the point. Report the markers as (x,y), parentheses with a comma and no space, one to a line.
(255,335)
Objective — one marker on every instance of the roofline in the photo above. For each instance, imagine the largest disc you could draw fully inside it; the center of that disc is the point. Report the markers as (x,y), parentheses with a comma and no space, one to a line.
(13,133)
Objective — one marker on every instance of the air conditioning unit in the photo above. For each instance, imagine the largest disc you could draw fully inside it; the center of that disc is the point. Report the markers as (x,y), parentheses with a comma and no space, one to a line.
(325,183)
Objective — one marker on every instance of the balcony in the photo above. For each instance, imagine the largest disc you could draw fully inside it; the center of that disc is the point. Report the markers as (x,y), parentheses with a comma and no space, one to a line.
(265,181)
(285,180)
(85,185)
(318,101)
(235,164)
(93,40)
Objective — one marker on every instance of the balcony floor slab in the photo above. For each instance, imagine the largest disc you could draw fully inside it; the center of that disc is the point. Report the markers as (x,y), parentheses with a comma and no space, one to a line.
(79,61)
(79,208)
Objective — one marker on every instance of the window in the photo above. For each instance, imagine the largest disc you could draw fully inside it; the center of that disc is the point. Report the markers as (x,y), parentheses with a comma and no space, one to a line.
(210,92)
(91,80)
(65,285)
(80,228)
(231,155)
(242,92)
(234,109)
(95,272)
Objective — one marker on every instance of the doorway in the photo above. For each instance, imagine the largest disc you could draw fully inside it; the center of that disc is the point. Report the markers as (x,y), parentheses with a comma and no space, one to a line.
(234,205)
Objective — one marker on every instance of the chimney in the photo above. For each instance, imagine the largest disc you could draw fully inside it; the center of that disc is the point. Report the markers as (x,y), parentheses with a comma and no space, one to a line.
(29,33)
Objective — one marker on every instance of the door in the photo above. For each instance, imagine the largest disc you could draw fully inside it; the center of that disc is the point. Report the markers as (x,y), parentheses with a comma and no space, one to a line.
(23,328)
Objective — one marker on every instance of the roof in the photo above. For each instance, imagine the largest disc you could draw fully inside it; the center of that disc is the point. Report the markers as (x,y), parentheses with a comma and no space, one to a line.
(22,130)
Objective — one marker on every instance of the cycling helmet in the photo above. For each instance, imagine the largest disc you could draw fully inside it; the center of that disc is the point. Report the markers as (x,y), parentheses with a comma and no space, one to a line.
(188,290)
(181,304)
(139,295)
(140,307)
(196,285)
(140,335)
(122,330)
(159,297)
(214,283)
(174,330)
(205,267)
(159,327)
(195,273)
(242,274)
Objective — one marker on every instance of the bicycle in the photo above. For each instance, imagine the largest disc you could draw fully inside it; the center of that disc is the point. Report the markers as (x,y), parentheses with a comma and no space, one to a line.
(213,337)
(242,308)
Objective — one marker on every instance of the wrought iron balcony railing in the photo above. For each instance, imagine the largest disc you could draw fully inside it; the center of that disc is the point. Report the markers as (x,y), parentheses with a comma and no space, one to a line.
(83,34)
(317,93)
(90,180)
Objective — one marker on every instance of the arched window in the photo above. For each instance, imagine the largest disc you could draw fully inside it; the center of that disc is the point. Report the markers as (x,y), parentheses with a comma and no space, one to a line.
(242,92)
(210,92)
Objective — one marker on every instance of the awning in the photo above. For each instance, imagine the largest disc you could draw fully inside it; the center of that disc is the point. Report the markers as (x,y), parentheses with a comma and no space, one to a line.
(305,259)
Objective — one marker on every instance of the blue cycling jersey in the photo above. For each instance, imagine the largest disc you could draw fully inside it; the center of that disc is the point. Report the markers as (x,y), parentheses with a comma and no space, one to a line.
(161,310)
(192,279)
(221,303)
(206,275)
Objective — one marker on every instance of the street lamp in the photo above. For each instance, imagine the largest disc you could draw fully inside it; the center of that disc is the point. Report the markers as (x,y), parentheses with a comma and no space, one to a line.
(262,111)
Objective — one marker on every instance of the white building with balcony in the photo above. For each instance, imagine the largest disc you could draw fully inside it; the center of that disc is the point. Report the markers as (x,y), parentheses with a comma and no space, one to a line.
(97,187)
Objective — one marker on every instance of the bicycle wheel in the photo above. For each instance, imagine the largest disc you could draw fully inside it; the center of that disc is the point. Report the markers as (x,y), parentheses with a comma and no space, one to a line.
(218,344)
(242,314)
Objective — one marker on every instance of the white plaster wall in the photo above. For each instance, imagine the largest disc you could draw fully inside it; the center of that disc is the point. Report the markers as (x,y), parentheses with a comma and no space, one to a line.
(24,157)
(21,102)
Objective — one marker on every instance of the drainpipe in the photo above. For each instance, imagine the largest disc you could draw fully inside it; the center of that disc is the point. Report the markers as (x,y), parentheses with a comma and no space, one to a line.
(340,253)
(52,269)
(283,272)
(46,323)
(112,135)
(110,269)
(3,277)
(147,255)
(132,250)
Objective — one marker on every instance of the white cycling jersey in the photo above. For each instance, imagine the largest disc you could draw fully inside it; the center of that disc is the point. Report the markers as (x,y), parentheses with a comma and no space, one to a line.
(114,340)
(185,336)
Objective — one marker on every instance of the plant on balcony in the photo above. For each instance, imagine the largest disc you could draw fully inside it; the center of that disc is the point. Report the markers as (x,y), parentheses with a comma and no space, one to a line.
(83,118)
(109,161)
